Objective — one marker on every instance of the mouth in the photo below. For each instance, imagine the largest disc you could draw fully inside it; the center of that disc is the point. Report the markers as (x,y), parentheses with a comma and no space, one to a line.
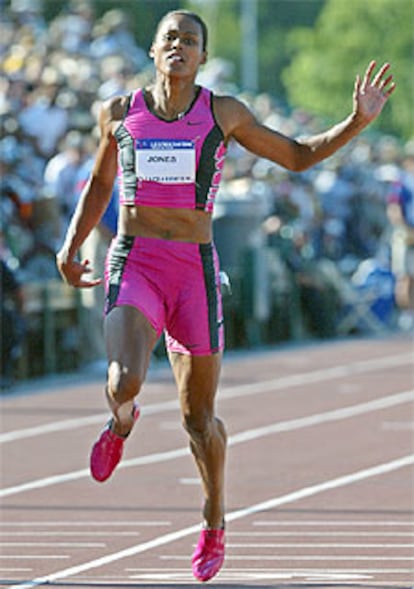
(175,58)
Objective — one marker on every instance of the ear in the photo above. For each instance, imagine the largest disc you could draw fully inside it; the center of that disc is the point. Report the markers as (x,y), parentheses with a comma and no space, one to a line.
(151,52)
(204,58)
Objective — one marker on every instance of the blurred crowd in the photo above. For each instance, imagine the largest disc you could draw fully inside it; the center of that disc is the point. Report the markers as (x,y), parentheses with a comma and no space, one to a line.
(54,76)
(333,237)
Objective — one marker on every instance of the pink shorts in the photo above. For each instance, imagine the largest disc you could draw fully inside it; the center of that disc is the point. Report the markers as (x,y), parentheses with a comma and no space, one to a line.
(175,284)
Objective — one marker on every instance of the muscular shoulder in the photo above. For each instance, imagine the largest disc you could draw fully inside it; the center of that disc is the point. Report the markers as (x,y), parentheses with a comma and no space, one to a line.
(114,109)
(230,114)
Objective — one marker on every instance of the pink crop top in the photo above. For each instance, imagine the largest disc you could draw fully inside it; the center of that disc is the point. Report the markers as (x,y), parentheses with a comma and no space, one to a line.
(173,164)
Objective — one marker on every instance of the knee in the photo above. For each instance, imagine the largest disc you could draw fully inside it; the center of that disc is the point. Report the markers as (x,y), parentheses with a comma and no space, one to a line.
(122,386)
(198,426)
(204,427)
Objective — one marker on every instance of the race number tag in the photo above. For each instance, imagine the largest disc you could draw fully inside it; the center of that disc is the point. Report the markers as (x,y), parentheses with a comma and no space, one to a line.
(165,161)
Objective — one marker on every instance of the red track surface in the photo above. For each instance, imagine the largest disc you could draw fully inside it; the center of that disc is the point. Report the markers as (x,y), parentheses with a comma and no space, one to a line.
(319,476)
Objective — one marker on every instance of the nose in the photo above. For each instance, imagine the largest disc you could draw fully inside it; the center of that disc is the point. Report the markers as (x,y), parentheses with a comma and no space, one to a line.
(177,41)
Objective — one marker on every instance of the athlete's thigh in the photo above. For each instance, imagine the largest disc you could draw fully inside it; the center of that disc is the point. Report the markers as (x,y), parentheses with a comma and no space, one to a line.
(130,339)
(197,380)
(195,324)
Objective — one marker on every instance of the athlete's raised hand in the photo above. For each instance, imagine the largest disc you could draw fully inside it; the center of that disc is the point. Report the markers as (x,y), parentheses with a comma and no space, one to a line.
(372,92)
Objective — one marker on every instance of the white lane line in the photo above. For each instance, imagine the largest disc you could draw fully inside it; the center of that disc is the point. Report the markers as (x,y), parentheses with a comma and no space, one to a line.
(104,560)
(317,545)
(320,375)
(32,557)
(84,473)
(272,503)
(299,570)
(88,524)
(55,544)
(328,485)
(264,569)
(48,428)
(68,534)
(247,435)
(335,534)
(291,557)
(189,481)
(328,416)
(280,383)
(72,424)
(335,523)
(14,570)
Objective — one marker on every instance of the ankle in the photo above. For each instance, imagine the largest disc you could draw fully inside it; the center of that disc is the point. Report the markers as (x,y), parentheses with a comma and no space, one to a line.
(120,429)
(122,422)
(213,515)
(214,524)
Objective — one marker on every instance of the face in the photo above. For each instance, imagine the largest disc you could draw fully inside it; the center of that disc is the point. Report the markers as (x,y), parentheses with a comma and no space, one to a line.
(178,46)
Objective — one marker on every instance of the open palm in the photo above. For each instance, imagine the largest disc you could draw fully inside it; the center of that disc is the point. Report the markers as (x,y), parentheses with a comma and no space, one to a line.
(371,93)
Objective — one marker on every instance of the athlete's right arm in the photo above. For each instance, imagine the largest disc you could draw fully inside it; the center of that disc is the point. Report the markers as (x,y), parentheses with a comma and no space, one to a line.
(93,200)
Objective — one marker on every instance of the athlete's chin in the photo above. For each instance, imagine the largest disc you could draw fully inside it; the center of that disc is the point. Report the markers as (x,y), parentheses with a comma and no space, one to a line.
(178,71)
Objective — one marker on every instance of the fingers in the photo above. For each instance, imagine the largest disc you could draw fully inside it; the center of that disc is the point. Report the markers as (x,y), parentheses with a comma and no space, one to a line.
(387,86)
(357,86)
(384,83)
(390,90)
(379,81)
(89,283)
(85,266)
(73,273)
(80,282)
(378,78)
(367,77)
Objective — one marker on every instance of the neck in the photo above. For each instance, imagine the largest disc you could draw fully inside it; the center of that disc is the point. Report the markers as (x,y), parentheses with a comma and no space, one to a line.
(171,99)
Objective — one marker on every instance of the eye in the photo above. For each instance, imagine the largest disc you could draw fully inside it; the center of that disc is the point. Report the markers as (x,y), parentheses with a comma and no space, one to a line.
(189,41)
(169,37)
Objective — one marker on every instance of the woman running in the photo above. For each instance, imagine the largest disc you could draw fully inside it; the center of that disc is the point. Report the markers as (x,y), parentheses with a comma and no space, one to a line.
(167,144)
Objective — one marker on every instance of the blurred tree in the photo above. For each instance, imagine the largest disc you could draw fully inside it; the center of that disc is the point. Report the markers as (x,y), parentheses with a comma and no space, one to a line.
(275,19)
(347,35)
(223,22)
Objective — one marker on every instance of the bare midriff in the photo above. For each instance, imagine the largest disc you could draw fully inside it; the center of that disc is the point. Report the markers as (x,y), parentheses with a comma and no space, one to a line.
(162,223)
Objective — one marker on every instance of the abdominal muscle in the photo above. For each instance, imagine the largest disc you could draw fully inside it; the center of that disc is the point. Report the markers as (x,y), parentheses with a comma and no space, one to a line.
(162,223)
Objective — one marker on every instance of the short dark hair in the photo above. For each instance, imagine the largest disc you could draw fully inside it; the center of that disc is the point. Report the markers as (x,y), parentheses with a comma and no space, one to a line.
(195,17)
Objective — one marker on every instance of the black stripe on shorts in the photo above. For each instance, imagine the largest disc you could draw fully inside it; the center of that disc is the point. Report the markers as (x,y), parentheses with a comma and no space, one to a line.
(207,259)
(118,258)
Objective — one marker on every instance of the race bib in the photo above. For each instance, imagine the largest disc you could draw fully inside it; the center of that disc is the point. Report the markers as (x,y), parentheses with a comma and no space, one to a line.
(165,161)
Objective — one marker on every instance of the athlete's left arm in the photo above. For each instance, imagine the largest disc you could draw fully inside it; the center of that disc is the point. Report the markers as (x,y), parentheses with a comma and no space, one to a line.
(369,97)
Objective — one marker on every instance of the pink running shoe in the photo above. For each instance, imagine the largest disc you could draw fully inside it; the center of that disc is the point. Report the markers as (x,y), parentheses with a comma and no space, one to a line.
(107,451)
(208,557)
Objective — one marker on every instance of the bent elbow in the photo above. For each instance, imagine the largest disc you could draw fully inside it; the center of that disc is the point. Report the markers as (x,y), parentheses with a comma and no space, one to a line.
(301,158)
(299,165)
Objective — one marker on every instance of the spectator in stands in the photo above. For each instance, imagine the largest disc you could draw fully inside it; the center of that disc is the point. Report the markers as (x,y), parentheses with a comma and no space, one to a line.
(94,249)
(61,174)
(114,38)
(43,118)
(11,318)
(400,211)
(72,29)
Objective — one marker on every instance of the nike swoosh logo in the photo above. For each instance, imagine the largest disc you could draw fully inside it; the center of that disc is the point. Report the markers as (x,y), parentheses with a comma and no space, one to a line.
(194,123)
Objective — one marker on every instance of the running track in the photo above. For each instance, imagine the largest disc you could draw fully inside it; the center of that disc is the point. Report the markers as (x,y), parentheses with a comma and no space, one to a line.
(320,481)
